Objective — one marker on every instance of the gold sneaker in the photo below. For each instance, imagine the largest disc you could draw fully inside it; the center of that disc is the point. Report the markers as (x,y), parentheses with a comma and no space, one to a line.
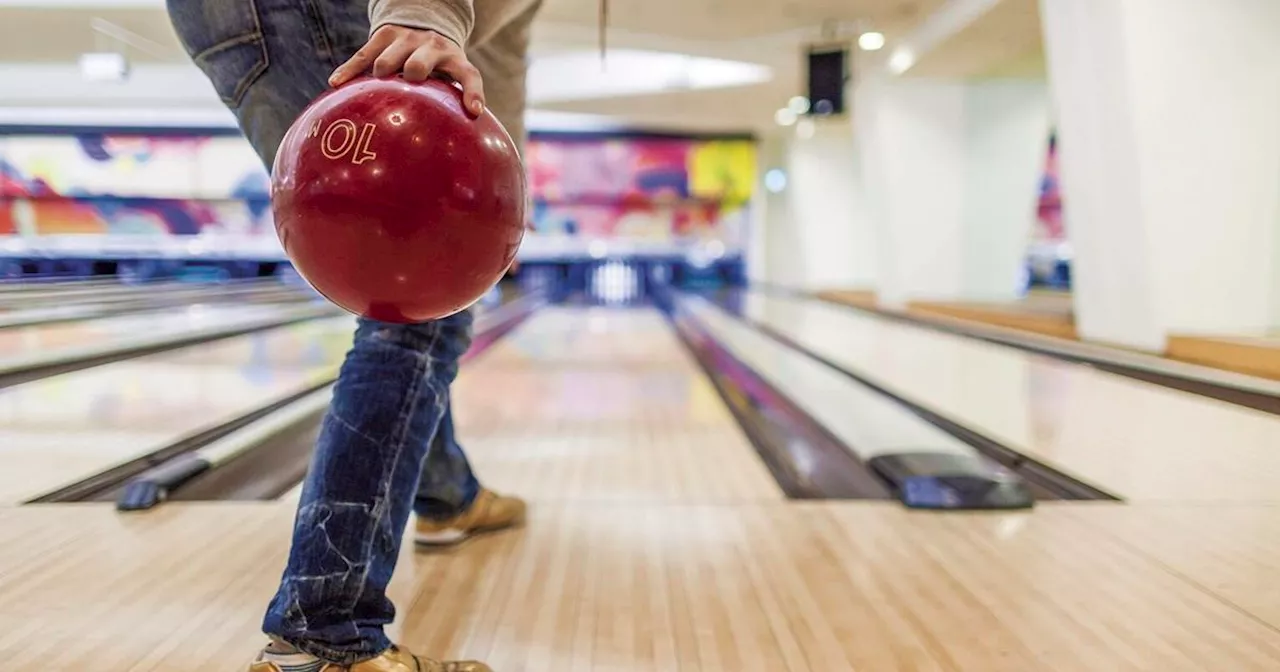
(490,512)
(394,659)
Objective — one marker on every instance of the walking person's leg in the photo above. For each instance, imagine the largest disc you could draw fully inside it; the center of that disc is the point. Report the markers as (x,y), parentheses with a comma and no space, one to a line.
(268,59)
(450,504)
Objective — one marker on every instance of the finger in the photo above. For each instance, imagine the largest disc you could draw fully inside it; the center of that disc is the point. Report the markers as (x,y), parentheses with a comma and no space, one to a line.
(362,59)
(392,59)
(472,83)
(424,60)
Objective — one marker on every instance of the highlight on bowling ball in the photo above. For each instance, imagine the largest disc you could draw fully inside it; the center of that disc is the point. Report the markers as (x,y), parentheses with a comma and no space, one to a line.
(394,203)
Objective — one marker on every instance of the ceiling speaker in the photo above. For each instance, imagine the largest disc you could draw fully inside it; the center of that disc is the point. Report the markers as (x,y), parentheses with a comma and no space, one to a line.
(828,75)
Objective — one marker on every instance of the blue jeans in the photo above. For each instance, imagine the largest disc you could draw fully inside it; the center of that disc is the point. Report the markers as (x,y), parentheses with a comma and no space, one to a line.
(386,445)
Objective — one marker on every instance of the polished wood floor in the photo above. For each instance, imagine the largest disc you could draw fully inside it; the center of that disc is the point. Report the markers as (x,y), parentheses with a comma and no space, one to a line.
(679,586)
(603,406)
(656,543)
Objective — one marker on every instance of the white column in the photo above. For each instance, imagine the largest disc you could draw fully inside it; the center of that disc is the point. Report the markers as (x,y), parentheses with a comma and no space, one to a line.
(762,257)
(952,171)
(815,236)
(783,262)
(1275,285)
(1169,121)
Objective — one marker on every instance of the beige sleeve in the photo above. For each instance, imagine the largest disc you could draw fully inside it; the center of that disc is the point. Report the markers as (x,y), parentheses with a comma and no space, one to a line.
(453,19)
(504,64)
(494,16)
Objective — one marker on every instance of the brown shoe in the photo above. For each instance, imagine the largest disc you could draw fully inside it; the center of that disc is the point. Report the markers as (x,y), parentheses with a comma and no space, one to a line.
(490,512)
(394,659)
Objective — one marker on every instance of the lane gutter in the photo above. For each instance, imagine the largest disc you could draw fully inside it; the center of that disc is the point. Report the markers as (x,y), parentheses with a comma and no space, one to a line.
(805,459)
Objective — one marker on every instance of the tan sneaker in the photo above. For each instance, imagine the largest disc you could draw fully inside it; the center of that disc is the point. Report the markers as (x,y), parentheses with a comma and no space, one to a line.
(490,512)
(394,659)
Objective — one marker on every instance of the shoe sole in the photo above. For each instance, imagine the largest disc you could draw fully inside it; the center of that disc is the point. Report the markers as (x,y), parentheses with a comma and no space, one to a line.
(455,536)
(441,538)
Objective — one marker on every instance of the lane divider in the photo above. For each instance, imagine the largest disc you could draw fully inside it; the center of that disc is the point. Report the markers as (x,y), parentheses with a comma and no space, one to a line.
(153,486)
(102,484)
(805,459)
(1047,480)
(1236,388)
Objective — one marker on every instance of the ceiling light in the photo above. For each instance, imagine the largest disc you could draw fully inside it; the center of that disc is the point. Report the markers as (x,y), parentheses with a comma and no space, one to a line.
(104,67)
(901,61)
(871,41)
(798,104)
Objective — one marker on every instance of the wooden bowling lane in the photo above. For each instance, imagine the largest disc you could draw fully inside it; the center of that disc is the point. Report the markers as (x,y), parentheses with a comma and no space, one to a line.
(61,429)
(54,313)
(645,586)
(9,285)
(99,305)
(22,347)
(22,341)
(17,288)
(93,292)
(1136,440)
(77,294)
(603,405)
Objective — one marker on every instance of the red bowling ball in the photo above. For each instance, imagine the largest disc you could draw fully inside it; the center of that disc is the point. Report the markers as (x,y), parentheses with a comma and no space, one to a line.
(395,203)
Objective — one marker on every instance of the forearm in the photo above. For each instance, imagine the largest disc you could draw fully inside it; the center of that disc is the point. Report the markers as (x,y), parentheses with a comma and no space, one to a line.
(454,19)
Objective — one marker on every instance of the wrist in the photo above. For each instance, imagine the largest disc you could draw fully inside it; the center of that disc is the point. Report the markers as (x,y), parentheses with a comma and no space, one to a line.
(449,19)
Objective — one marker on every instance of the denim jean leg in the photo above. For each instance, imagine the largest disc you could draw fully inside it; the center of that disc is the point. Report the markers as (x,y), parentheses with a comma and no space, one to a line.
(390,396)
(447,485)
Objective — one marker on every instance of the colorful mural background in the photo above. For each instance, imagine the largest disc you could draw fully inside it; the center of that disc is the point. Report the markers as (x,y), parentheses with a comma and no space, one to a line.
(649,189)
(1049,227)
(1048,251)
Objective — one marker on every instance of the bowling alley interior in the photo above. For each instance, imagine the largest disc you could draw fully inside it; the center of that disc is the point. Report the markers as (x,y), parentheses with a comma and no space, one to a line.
(811,335)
